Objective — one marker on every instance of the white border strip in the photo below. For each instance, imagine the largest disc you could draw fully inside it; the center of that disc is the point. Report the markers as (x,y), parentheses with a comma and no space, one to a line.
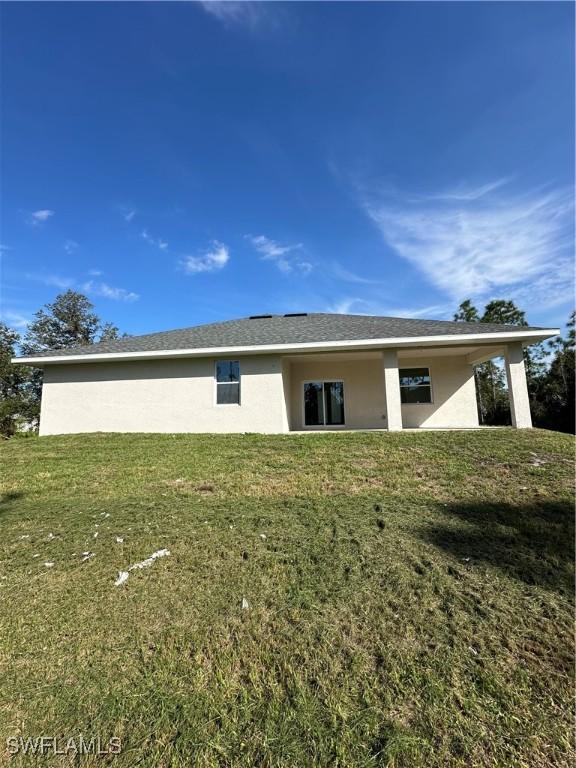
(310,346)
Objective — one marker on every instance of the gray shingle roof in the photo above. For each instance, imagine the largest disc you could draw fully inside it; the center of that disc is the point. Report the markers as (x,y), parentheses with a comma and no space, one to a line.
(281,329)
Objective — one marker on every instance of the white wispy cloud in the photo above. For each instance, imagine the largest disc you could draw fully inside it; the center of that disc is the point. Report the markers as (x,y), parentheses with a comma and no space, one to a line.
(35,218)
(237,12)
(106,291)
(94,288)
(52,280)
(348,306)
(286,257)
(212,260)
(464,192)
(433,311)
(95,272)
(357,305)
(270,249)
(15,320)
(305,267)
(157,242)
(70,246)
(127,212)
(483,243)
(351,277)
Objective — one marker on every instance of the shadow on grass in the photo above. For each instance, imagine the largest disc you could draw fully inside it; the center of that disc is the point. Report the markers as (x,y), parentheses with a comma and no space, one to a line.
(8,500)
(533,543)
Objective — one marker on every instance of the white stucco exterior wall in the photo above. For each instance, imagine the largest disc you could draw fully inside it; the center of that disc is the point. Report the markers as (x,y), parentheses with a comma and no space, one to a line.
(517,387)
(453,395)
(392,390)
(161,396)
(179,395)
(287,386)
(364,406)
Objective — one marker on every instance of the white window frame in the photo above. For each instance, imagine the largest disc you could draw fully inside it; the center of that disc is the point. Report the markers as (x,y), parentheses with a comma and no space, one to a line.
(323,382)
(414,368)
(216,383)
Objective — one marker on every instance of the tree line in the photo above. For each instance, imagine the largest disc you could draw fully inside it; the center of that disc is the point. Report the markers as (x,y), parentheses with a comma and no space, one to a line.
(71,321)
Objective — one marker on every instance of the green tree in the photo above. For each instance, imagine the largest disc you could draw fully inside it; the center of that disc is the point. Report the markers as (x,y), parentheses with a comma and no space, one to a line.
(491,394)
(69,321)
(507,313)
(16,402)
(550,387)
(556,393)
(503,313)
(500,312)
(467,313)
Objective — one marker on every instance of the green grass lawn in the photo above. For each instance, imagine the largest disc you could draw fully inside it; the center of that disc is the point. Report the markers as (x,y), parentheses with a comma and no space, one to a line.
(409,598)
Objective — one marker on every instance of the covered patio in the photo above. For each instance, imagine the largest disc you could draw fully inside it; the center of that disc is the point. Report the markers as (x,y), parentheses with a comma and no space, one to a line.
(394,389)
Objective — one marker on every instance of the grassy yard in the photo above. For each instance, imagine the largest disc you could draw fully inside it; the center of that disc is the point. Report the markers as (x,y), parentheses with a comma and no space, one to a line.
(328,600)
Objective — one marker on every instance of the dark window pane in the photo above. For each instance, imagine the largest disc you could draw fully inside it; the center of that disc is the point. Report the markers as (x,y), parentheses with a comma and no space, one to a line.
(227,370)
(414,377)
(415,394)
(228,394)
(313,404)
(334,397)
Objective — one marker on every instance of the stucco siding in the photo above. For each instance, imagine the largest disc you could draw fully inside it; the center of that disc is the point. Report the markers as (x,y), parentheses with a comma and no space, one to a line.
(179,395)
(287,388)
(453,395)
(364,406)
(161,396)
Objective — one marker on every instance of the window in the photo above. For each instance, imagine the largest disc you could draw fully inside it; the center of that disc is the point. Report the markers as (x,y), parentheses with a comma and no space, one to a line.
(415,385)
(323,403)
(227,382)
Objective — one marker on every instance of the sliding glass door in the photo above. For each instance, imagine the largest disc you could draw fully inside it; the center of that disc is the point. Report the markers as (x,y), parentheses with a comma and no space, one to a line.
(323,403)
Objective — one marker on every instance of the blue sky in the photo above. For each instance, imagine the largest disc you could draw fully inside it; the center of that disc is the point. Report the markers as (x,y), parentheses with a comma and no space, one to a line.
(188,162)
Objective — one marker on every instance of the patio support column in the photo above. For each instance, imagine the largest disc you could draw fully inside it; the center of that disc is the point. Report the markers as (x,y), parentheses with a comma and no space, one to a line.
(392,390)
(517,388)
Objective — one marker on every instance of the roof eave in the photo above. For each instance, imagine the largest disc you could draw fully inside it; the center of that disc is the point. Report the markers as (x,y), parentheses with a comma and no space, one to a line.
(526,337)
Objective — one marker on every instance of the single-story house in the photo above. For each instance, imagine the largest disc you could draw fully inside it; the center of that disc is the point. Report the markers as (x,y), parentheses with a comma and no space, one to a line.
(280,373)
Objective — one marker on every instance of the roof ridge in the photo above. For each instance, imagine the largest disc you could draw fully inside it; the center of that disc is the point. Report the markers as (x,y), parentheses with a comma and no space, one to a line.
(282,316)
